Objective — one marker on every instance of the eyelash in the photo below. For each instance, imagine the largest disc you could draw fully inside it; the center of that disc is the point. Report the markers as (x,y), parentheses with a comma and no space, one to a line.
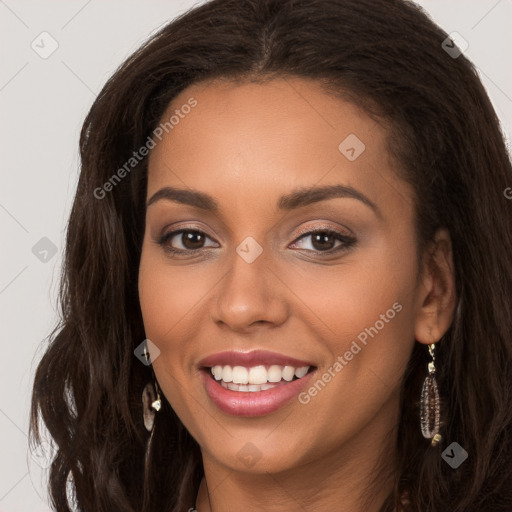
(347,241)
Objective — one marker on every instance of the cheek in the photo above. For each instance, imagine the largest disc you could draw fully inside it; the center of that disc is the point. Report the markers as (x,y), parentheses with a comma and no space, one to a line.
(168,296)
(155,297)
(370,316)
(359,292)
(163,301)
(368,330)
(172,304)
(365,305)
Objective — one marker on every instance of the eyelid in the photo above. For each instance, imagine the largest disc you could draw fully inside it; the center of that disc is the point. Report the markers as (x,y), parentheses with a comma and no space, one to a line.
(307,230)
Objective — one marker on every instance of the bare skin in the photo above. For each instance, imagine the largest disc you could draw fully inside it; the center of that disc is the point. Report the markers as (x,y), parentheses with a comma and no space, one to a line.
(246,145)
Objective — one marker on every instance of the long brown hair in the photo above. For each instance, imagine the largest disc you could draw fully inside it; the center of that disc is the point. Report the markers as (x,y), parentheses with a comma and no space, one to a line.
(387,57)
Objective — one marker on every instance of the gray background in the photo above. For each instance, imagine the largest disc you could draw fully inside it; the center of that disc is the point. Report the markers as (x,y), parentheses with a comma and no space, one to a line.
(43,103)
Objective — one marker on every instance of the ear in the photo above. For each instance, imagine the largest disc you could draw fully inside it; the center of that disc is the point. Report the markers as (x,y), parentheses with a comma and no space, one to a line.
(436,300)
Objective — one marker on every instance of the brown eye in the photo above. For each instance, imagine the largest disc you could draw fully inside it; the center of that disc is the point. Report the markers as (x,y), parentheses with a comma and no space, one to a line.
(192,239)
(324,240)
(183,241)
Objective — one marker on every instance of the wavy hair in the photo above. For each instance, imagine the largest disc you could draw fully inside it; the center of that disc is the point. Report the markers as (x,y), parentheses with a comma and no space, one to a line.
(385,56)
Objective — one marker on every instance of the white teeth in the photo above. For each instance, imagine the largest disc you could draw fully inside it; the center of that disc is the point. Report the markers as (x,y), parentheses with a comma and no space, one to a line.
(258,376)
(274,373)
(240,375)
(300,372)
(248,388)
(227,374)
(217,372)
(288,373)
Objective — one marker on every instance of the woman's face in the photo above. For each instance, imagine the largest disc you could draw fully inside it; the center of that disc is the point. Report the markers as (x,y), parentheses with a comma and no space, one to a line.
(256,279)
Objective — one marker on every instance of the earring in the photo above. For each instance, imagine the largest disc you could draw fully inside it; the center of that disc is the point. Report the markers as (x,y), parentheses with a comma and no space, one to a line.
(151,402)
(429,406)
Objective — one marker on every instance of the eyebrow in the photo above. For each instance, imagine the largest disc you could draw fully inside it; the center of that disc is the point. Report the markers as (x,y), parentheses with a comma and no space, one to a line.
(296,199)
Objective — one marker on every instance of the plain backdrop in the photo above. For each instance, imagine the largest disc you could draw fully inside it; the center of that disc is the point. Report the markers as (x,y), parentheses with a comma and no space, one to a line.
(43,104)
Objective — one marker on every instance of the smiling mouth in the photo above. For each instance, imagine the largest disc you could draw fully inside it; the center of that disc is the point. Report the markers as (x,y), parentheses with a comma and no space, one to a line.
(255,378)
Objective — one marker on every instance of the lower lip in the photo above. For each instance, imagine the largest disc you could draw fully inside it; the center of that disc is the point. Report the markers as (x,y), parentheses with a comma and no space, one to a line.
(253,403)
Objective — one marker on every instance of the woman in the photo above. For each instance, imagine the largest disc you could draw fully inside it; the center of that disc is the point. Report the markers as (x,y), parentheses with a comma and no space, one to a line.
(288,276)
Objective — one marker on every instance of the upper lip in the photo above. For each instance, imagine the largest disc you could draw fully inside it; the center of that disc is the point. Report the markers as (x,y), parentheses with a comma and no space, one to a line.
(253,358)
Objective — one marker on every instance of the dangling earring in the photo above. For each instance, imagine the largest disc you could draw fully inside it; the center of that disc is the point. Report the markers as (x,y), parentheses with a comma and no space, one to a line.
(151,401)
(430,407)
(151,404)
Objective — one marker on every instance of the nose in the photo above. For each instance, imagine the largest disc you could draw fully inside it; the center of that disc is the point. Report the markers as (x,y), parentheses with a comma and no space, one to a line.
(251,294)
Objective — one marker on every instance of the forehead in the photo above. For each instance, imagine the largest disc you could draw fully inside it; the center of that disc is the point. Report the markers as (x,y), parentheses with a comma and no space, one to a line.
(248,141)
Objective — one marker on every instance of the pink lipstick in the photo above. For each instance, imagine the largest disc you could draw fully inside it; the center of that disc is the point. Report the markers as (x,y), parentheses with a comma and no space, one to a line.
(253,383)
